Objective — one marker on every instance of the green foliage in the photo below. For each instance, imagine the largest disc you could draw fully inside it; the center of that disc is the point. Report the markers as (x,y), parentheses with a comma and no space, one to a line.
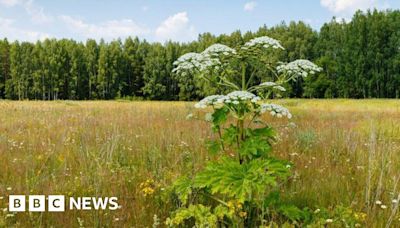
(201,214)
(241,181)
(360,59)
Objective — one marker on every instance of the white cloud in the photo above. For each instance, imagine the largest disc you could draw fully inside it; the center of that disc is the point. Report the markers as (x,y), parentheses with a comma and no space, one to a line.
(9,31)
(346,7)
(107,30)
(9,3)
(250,6)
(35,12)
(177,28)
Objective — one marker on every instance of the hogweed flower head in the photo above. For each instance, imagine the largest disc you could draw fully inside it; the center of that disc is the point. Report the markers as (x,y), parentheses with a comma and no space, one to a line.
(218,49)
(263,41)
(275,110)
(300,67)
(209,101)
(235,98)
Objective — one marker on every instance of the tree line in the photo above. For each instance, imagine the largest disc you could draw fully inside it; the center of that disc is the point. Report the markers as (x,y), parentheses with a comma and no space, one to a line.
(360,58)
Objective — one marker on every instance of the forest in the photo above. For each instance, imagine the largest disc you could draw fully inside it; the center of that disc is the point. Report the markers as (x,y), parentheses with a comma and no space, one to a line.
(360,59)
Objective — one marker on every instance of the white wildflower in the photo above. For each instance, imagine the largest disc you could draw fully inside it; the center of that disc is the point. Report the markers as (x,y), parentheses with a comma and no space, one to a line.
(329,220)
(300,67)
(9,188)
(188,62)
(210,100)
(395,201)
(383,206)
(243,96)
(263,41)
(378,202)
(218,49)
(275,110)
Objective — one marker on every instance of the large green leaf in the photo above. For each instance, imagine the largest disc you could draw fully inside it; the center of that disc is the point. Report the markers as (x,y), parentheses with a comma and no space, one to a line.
(241,181)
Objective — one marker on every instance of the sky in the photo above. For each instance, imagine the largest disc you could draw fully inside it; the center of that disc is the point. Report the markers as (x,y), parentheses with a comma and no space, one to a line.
(162,20)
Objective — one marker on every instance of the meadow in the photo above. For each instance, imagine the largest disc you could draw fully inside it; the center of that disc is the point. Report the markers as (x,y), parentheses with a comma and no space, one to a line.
(345,153)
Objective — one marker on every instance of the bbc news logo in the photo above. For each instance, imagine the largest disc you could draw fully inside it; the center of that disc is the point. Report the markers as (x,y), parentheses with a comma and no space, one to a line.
(57,203)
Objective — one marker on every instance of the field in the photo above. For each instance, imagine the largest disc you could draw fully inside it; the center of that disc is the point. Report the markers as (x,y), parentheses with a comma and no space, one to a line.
(345,152)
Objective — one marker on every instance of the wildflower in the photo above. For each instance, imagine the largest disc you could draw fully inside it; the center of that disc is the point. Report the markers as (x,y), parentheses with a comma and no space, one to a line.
(242,214)
(218,49)
(395,201)
(231,205)
(234,97)
(242,96)
(378,202)
(275,110)
(360,216)
(207,101)
(329,220)
(263,41)
(188,62)
(317,211)
(147,187)
(288,166)
(9,188)
(383,206)
(299,67)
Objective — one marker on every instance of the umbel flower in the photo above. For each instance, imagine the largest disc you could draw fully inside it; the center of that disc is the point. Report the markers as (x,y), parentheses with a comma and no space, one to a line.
(265,42)
(243,97)
(300,68)
(275,110)
(208,59)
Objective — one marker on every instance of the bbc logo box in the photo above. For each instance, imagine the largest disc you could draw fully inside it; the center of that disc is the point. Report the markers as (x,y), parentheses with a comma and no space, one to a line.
(36,203)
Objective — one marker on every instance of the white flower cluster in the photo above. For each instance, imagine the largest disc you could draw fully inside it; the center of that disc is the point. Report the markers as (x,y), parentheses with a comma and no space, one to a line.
(210,100)
(232,98)
(202,61)
(300,67)
(237,96)
(263,41)
(272,85)
(275,110)
(218,49)
(188,62)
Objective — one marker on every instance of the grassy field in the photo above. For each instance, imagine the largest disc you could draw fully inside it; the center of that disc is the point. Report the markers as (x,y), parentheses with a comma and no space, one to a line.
(346,152)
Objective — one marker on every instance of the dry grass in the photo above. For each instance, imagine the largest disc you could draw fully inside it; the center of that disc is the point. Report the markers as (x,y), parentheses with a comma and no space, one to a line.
(346,152)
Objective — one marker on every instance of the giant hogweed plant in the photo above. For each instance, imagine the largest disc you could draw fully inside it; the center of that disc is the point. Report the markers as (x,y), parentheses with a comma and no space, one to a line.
(240,186)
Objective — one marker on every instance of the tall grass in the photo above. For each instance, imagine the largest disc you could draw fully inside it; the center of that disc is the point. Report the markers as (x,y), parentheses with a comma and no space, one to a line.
(346,152)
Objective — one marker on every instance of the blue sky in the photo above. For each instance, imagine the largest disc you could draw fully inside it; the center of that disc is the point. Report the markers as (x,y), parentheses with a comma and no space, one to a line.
(178,20)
